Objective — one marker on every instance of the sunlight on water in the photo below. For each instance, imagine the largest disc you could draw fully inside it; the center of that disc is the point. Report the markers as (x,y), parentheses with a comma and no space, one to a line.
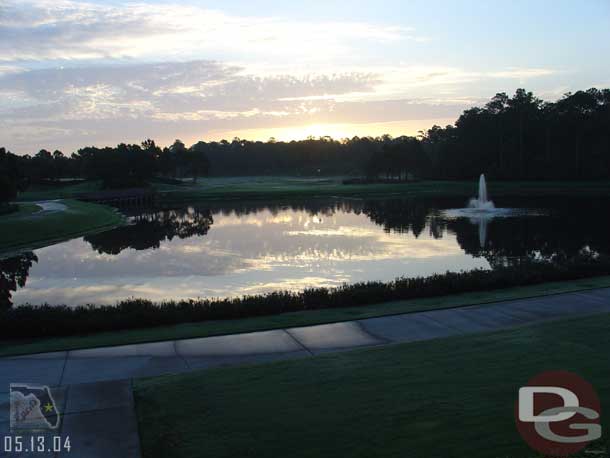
(257,252)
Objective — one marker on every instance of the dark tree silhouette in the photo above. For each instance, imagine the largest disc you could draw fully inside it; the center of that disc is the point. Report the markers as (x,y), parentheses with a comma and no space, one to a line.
(121,167)
(398,159)
(198,160)
(13,274)
(150,229)
(521,137)
(9,177)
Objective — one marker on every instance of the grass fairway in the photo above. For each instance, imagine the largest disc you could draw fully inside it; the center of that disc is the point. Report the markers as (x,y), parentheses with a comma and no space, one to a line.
(288,187)
(31,228)
(443,398)
(274,187)
(24,209)
(59,191)
(284,320)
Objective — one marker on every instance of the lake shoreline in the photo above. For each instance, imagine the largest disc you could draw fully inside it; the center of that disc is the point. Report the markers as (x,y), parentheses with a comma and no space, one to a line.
(233,190)
(31,229)
(19,321)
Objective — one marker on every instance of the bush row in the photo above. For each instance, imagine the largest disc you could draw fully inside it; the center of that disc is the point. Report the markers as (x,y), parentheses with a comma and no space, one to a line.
(5,208)
(58,320)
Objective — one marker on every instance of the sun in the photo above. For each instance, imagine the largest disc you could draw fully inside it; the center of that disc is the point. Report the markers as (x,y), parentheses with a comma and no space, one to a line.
(336,131)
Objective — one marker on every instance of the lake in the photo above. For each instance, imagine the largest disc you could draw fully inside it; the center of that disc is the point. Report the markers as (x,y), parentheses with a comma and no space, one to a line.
(213,250)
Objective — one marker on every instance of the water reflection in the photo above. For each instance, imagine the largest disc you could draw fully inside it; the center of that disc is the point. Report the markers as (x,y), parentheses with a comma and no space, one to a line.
(147,230)
(255,247)
(13,274)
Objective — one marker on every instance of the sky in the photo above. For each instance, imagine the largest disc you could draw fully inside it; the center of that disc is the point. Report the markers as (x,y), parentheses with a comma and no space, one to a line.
(82,73)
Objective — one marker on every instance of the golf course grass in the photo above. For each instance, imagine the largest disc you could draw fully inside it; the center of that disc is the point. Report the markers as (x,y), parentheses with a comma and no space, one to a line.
(286,187)
(450,397)
(59,191)
(245,188)
(31,227)
(23,209)
(293,319)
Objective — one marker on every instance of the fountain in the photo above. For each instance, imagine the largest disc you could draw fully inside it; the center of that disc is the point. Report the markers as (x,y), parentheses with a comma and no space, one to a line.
(482,202)
(481,211)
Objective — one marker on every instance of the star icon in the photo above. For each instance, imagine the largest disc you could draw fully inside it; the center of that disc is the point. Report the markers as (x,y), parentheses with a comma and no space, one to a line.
(48,407)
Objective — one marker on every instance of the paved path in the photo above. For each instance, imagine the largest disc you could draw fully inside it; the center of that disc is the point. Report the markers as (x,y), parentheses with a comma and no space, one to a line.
(47,207)
(100,377)
(51,205)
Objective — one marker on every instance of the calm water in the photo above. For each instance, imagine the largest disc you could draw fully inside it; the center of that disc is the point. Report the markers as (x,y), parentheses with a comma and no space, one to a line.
(204,251)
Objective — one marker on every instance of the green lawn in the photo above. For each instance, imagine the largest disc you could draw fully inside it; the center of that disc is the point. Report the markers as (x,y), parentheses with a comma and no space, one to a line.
(273,187)
(30,228)
(68,191)
(24,209)
(282,187)
(211,328)
(443,398)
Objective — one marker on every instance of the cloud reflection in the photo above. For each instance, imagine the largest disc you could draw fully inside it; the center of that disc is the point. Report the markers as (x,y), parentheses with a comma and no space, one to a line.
(242,254)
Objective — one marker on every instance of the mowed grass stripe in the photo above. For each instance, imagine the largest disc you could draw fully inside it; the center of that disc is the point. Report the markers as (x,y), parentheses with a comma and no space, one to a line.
(444,398)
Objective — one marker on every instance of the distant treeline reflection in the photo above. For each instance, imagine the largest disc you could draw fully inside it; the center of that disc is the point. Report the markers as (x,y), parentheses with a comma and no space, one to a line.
(147,230)
(13,274)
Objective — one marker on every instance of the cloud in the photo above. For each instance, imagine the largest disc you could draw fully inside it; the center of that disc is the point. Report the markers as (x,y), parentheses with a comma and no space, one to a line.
(68,107)
(75,73)
(60,29)
(7,69)
(105,103)
(201,90)
(195,90)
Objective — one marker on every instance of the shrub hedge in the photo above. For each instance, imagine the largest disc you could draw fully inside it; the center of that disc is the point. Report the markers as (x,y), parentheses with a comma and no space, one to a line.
(30,321)
(6,209)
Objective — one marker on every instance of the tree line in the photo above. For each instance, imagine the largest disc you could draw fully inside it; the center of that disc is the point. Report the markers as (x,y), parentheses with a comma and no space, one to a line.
(523,137)
(511,137)
(125,165)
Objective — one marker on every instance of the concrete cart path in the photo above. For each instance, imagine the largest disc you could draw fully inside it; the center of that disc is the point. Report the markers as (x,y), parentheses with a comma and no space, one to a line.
(46,207)
(95,384)
(51,205)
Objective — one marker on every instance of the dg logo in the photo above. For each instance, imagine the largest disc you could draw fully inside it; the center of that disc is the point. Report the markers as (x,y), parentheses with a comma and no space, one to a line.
(558,413)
